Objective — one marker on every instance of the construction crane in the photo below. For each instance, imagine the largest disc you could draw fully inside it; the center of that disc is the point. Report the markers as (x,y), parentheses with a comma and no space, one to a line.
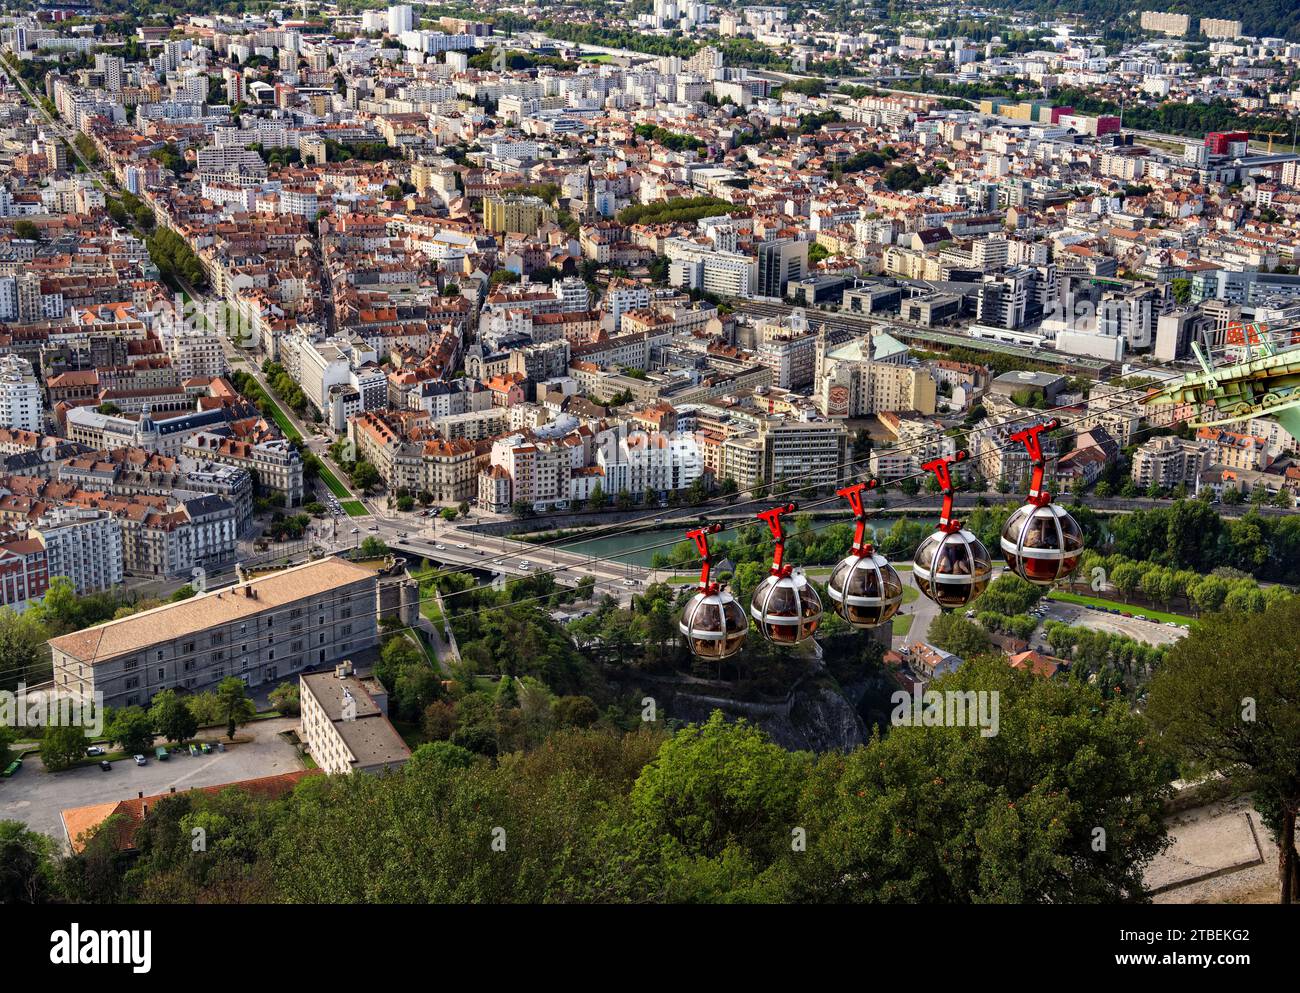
(1270,135)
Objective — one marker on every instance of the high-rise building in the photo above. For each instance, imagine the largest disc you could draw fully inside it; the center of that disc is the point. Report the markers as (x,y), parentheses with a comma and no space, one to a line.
(400,19)
(20,395)
(779,262)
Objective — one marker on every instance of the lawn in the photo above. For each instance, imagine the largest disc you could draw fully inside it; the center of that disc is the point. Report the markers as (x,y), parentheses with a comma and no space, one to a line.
(1155,615)
(902,625)
(332,481)
(355,508)
(910,593)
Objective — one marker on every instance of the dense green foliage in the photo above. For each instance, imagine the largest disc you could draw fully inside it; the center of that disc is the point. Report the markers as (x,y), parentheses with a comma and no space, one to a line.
(714,813)
(678,209)
(174,258)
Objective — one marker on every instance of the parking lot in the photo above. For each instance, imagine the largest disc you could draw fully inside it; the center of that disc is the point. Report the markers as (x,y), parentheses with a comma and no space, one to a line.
(1150,632)
(36,797)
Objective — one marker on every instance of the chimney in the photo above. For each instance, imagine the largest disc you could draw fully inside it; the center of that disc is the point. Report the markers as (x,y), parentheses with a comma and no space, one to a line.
(140,795)
(173,789)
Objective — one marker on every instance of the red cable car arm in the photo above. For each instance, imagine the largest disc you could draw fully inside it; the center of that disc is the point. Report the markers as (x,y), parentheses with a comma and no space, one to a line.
(773,518)
(853,494)
(1029,437)
(701,538)
(940,469)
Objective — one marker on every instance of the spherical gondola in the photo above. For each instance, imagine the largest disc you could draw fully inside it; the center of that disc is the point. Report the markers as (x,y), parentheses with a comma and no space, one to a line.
(1041,541)
(951,566)
(713,621)
(864,588)
(785,605)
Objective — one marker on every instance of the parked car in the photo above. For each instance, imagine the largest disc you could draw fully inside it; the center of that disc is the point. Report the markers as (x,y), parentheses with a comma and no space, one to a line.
(106,766)
(221,746)
(1125,613)
(161,753)
(401,534)
(194,750)
(94,750)
(205,748)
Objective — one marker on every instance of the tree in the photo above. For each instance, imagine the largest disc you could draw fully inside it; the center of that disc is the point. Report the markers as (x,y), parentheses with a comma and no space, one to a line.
(448,513)
(586,587)
(22,647)
(62,746)
(171,717)
(286,699)
(374,547)
(26,865)
(956,634)
(132,729)
(596,500)
(365,475)
(939,812)
(26,230)
(236,707)
(1228,708)
(720,786)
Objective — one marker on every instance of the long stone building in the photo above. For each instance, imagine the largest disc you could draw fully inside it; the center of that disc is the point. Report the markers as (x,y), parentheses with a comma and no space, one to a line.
(261,630)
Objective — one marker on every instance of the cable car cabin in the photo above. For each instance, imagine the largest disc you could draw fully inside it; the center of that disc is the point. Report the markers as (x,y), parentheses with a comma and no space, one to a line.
(865,590)
(1042,543)
(787,608)
(952,568)
(785,605)
(714,624)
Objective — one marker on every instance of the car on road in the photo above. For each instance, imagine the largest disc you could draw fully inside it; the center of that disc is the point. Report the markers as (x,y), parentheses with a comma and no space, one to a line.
(525,565)
(94,750)
(1172,624)
(106,766)
(1125,613)
(355,531)
(461,544)
(401,534)
(141,760)
(373,527)
(441,548)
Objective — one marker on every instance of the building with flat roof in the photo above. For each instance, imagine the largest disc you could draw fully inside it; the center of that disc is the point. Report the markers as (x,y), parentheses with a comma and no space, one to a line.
(261,630)
(345,723)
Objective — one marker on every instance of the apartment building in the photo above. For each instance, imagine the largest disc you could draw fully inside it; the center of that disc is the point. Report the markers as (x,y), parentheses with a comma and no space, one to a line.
(20,395)
(83,545)
(1169,462)
(344,723)
(260,630)
(275,464)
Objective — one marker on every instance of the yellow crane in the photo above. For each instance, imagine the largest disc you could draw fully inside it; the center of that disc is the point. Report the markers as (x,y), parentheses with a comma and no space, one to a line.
(1270,135)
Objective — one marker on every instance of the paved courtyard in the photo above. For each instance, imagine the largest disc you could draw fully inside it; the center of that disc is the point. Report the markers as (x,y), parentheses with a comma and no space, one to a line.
(36,797)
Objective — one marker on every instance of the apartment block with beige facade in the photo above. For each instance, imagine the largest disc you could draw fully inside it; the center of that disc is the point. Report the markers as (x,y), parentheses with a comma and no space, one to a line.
(345,724)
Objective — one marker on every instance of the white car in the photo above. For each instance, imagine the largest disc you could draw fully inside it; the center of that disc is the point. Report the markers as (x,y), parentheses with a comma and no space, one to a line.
(461,544)
(141,760)
(441,548)
(525,565)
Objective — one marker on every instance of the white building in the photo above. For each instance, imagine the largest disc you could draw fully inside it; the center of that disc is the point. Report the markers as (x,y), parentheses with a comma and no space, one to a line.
(83,545)
(20,395)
